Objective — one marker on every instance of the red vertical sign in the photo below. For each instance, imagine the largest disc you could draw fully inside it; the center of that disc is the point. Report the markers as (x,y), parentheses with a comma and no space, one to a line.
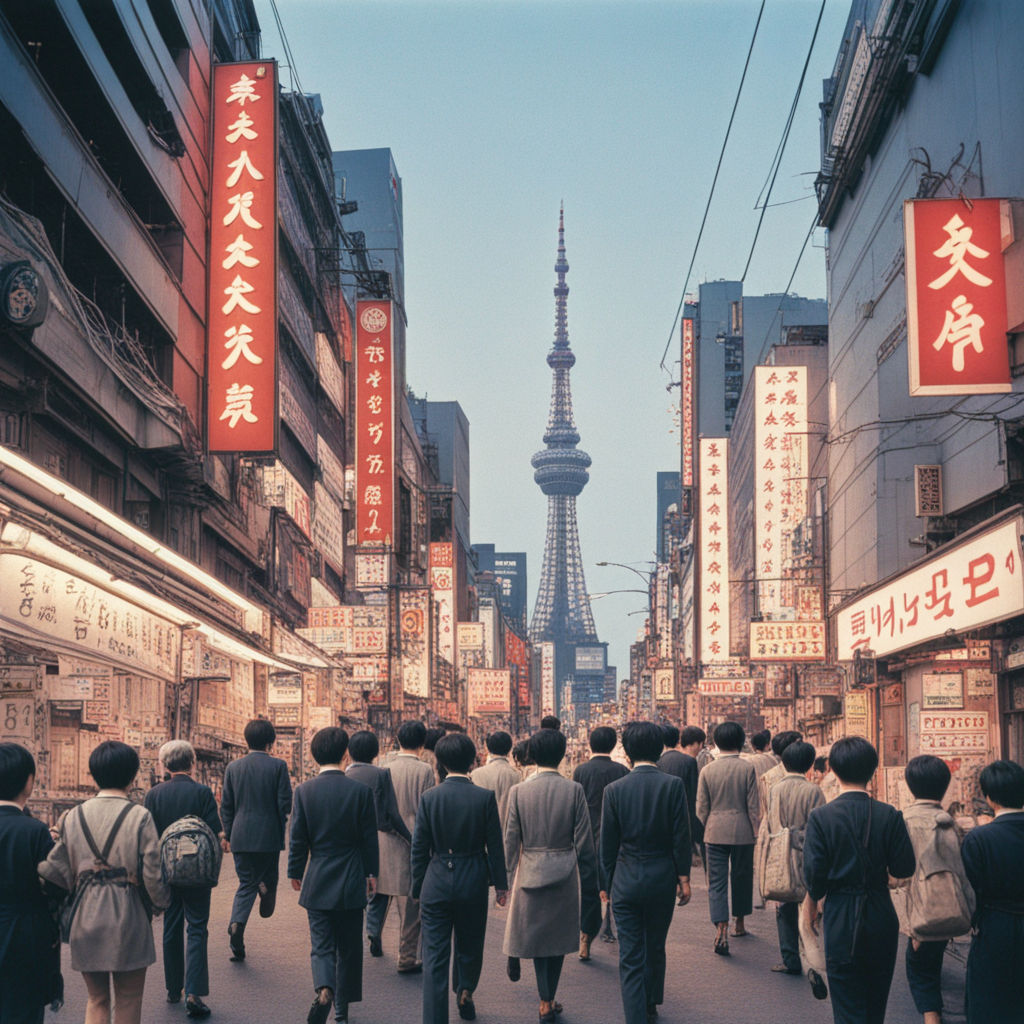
(956,296)
(241,345)
(375,423)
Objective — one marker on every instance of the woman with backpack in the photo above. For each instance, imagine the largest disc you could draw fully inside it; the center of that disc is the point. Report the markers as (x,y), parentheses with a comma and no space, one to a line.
(107,857)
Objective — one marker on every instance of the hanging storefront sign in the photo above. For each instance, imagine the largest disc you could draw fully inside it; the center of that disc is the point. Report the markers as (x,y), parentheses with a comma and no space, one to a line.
(976,582)
(489,691)
(414,640)
(242,359)
(856,715)
(375,423)
(954,732)
(664,684)
(927,491)
(687,401)
(725,687)
(284,689)
(442,582)
(956,295)
(942,690)
(787,641)
(517,657)
(547,678)
(470,635)
(714,549)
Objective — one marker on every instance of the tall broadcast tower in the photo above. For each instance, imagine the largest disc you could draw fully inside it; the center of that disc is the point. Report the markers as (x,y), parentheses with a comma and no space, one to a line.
(562,613)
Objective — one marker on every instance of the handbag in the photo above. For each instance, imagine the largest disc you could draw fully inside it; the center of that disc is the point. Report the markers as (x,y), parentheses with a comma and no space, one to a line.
(779,857)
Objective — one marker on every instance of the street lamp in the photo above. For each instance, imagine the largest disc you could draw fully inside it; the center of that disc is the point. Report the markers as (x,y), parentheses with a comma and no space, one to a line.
(645,576)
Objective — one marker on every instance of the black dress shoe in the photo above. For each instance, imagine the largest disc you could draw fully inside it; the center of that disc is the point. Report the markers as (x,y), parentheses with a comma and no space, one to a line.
(321,1008)
(376,949)
(268,899)
(467,1008)
(195,1007)
(174,997)
(514,968)
(236,931)
(341,1016)
(818,987)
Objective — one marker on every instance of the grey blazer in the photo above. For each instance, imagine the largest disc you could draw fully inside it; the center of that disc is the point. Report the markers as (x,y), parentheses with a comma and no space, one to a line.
(727,801)
(499,776)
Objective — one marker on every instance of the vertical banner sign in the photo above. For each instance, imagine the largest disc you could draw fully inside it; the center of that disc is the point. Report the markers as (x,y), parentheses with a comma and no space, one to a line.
(687,402)
(780,476)
(241,344)
(517,658)
(714,549)
(547,678)
(956,296)
(375,423)
(442,583)
(414,635)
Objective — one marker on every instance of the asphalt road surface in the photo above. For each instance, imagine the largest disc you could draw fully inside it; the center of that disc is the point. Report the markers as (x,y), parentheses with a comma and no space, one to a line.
(274,986)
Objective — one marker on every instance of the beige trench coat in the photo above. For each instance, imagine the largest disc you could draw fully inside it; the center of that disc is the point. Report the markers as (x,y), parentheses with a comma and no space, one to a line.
(411,778)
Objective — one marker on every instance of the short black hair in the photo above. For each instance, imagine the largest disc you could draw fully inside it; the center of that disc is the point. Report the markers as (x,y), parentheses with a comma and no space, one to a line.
(550,722)
(259,734)
(521,752)
(670,734)
(692,734)
(547,748)
(113,764)
(1003,783)
(328,745)
(430,740)
(927,777)
(643,741)
(363,746)
(603,739)
(821,764)
(783,740)
(456,752)
(798,757)
(853,759)
(760,740)
(729,736)
(498,743)
(412,735)
(17,765)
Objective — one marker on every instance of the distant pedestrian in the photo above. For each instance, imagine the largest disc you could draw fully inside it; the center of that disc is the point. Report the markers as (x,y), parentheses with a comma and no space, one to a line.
(552,866)
(103,847)
(168,802)
(727,805)
(254,807)
(521,756)
(29,941)
(550,722)
(775,774)
(457,855)
(762,758)
(595,776)
(691,743)
(332,864)
(429,742)
(851,847)
(645,865)
(497,774)
(993,855)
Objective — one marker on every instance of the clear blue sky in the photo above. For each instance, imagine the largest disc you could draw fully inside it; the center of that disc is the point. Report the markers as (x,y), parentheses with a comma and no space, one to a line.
(497,111)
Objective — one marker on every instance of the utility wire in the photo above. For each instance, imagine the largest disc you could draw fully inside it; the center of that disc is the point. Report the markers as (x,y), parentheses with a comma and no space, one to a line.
(782,143)
(714,182)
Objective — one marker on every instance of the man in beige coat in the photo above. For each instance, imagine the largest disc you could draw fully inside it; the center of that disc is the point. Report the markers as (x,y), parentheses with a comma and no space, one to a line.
(498,774)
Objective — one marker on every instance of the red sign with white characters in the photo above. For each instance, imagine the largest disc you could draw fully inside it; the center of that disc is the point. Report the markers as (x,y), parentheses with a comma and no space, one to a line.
(375,423)
(956,296)
(241,345)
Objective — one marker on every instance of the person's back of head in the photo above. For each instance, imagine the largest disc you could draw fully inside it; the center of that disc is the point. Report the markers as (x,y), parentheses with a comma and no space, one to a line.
(328,745)
(521,753)
(113,765)
(498,743)
(1002,783)
(433,735)
(853,760)
(17,767)
(412,735)
(259,734)
(670,736)
(730,737)
(177,756)
(602,739)
(783,739)
(643,741)
(760,740)
(363,746)
(692,735)
(456,752)
(927,777)
(821,765)
(798,757)
(550,722)
(547,748)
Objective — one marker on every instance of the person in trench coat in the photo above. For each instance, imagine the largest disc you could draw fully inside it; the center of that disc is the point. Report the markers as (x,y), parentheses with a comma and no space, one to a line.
(549,848)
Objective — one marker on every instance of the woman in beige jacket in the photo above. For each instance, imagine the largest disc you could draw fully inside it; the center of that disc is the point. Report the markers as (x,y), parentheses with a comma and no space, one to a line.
(111,935)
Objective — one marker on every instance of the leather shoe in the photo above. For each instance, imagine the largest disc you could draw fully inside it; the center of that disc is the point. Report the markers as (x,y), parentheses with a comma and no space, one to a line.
(584,946)
(341,1016)
(467,1008)
(818,987)
(376,949)
(174,997)
(783,969)
(268,899)
(236,931)
(195,1007)
(321,1008)
(513,968)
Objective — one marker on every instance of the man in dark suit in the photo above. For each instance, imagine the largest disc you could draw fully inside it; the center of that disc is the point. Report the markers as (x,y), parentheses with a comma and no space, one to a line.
(683,765)
(457,853)
(168,802)
(645,863)
(334,827)
(594,776)
(363,748)
(254,807)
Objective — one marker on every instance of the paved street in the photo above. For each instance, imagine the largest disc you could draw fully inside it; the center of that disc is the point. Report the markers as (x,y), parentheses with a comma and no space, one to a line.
(273,985)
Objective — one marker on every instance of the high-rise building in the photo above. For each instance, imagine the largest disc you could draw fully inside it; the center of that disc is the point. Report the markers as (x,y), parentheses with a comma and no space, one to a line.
(509,569)
(562,613)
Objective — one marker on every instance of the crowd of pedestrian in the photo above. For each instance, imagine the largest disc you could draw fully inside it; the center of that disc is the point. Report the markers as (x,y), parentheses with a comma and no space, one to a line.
(428,826)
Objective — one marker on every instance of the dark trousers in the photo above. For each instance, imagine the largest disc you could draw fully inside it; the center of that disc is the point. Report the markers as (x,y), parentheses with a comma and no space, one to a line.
(607,931)
(924,975)
(19,1004)
(466,921)
(252,868)
(643,928)
(185,961)
(995,969)
(376,914)
(723,860)
(787,917)
(336,954)
(548,970)
(859,988)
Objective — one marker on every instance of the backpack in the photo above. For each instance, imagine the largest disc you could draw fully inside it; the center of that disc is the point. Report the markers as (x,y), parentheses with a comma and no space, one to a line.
(190,854)
(940,902)
(780,857)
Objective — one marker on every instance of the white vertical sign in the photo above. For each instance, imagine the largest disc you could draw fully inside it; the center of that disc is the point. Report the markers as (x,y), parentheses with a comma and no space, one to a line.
(714,549)
(547,678)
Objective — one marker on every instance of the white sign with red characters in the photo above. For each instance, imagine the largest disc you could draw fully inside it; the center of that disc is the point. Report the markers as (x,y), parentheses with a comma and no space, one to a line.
(977,582)
(780,475)
(956,295)
(714,549)
(241,346)
(442,583)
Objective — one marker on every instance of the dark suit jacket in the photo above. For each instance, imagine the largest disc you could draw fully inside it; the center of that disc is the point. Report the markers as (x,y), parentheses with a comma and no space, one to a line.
(385,803)
(457,848)
(645,835)
(255,803)
(179,797)
(684,767)
(594,776)
(334,827)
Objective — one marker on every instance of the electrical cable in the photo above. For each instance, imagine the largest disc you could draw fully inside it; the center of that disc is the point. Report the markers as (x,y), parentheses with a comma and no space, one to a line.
(714,182)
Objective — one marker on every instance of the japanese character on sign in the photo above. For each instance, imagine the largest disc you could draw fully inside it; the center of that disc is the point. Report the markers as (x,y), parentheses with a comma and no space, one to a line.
(238,405)
(957,247)
(241,129)
(242,90)
(242,163)
(239,340)
(935,599)
(238,252)
(376,431)
(961,329)
(236,293)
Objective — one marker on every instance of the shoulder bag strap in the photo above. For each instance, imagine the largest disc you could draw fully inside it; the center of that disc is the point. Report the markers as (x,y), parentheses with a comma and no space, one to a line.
(102,855)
